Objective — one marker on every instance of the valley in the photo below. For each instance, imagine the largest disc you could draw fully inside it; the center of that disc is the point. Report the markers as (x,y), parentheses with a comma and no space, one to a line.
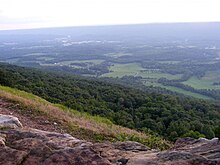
(109,82)
(131,94)
(186,63)
(164,115)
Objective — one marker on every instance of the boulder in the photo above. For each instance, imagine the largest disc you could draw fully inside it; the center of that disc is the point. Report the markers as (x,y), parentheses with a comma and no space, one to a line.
(7,121)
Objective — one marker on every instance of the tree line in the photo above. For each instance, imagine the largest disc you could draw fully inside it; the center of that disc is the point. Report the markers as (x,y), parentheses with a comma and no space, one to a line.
(167,115)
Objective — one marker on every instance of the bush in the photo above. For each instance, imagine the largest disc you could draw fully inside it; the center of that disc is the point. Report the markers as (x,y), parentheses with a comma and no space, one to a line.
(193,134)
(217,132)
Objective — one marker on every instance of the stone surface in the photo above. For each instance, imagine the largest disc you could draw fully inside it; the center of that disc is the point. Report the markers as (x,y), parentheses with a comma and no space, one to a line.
(28,146)
(10,156)
(130,146)
(32,146)
(7,121)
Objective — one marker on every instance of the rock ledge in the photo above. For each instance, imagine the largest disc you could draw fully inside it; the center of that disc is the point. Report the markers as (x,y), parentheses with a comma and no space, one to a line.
(19,145)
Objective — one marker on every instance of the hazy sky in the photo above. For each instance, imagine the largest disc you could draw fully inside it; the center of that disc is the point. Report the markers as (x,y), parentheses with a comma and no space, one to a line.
(17,14)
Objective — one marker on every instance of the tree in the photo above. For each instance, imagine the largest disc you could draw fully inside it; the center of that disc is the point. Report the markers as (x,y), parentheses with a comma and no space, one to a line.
(217,132)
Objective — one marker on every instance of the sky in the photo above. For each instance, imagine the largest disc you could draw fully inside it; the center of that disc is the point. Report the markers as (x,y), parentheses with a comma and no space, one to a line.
(25,14)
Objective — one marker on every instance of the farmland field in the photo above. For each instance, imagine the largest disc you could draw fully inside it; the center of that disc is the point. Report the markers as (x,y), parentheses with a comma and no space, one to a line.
(135,69)
(120,70)
(205,82)
(179,90)
(154,55)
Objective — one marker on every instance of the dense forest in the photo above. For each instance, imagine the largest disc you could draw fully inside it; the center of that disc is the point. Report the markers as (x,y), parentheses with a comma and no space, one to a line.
(181,58)
(167,115)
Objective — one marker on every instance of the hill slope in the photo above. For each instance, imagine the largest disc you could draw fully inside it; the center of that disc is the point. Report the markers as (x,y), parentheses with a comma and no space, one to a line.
(25,145)
(167,115)
(38,113)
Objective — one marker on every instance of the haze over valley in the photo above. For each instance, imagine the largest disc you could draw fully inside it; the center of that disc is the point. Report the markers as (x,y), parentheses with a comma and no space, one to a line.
(109,82)
(180,57)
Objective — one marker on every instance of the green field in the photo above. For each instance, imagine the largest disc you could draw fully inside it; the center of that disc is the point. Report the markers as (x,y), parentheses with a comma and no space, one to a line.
(212,75)
(134,69)
(151,76)
(179,90)
(205,82)
(158,75)
(120,70)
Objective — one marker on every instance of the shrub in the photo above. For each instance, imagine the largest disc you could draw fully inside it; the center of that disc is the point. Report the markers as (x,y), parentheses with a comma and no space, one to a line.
(193,134)
(217,132)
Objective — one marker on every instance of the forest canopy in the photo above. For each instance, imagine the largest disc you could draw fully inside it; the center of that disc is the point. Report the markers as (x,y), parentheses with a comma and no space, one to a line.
(165,115)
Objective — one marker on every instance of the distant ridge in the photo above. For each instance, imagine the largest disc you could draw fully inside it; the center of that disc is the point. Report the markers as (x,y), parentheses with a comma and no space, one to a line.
(112,25)
(152,30)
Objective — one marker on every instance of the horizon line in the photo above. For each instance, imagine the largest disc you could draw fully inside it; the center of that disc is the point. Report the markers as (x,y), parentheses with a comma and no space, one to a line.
(103,25)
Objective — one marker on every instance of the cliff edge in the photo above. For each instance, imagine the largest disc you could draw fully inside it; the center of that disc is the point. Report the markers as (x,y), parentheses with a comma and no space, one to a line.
(25,146)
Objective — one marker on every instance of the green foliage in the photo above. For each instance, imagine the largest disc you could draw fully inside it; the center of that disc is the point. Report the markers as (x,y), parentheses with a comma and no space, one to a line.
(208,131)
(169,116)
(151,141)
(92,128)
(217,132)
(193,134)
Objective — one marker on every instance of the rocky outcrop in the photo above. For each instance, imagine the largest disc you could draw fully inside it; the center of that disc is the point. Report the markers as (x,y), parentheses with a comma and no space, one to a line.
(186,151)
(130,146)
(7,121)
(29,146)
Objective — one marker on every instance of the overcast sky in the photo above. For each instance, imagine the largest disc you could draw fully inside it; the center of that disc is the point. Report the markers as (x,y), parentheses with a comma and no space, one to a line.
(18,14)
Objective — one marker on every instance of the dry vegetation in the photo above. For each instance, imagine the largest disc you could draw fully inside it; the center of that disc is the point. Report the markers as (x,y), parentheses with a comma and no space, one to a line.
(88,127)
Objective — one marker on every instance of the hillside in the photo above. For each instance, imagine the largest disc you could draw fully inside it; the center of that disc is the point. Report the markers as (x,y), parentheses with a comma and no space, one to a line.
(38,113)
(181,58)
(34,131)
(166,115)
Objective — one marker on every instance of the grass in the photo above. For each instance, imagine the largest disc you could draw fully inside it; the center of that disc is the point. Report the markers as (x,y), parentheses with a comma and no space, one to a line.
(181,91)
(134,69)
(187,93)
(158,75)
(206,82)
(212,75)
(85,126)
(120,70)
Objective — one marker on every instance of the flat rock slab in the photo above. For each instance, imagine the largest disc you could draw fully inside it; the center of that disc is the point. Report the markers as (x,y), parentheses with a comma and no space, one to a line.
(28,146)
(36,147)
